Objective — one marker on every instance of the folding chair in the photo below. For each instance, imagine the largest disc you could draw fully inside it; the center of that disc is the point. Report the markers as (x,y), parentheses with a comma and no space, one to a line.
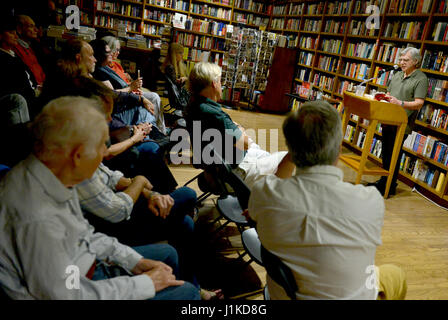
(279,272)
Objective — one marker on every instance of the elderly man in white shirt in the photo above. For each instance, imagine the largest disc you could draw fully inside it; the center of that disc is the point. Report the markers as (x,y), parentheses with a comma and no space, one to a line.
(326,230)
(47,249)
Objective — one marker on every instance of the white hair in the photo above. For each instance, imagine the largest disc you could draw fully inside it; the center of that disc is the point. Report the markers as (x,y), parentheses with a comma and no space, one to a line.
(112,42)
(414,53)
(66,123)
(202,76)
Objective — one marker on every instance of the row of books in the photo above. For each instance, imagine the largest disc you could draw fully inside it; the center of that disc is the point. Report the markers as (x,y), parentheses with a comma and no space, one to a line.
(290,41)
(389,52)
(312,25)
(440,32)
(315,8)
(338,7)
(332,45)
(172,4)
(249,18)
(438,89)
(435,60)
(419,170)
(427,146)
(157,15)
(295,9)
(360,6)
(356,70)
(413,30)
(200,42)
(433,116)
(279,10)
(292,24)
(384,78)
(250,5)
(443,6)
(277,23)
(197,55)
(377,146)
(210,27)
(410,6)
(335,26)
(358,28)
(151,29)
(216,12)
(361,50)
(303,74)
(112,22)
(346,85)
(308,42)
(349,133)
(328,63)
(323,81)
(306,58)
(124,9)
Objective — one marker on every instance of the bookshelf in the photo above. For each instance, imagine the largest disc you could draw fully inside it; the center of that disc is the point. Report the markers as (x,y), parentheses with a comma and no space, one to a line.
(337,51)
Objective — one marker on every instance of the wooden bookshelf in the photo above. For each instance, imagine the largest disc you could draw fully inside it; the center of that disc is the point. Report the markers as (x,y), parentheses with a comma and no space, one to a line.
(389,13)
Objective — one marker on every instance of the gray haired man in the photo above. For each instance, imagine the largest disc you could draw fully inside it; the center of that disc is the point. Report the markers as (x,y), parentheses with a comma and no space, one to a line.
(47,249)
(326,230)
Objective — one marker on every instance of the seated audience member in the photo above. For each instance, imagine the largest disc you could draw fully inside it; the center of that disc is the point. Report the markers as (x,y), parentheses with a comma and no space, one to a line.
(103,73)
(174,68)
(326,230)
(16,77)
(45,238)
(14,132)
(129,152)
(130,211)
(114,72)
(248,159)
(27,32)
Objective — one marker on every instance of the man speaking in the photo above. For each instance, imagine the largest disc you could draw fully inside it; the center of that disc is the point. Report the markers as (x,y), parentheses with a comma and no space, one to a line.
(407,88)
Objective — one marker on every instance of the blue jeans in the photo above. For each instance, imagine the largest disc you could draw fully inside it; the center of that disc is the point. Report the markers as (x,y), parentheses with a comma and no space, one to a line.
(159,252)
(144,227)
(136,116)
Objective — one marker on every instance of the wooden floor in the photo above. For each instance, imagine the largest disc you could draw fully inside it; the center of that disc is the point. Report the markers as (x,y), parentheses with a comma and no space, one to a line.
(415,232)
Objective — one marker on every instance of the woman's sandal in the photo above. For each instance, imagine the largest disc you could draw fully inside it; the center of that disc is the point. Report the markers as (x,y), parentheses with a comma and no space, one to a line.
(211,295)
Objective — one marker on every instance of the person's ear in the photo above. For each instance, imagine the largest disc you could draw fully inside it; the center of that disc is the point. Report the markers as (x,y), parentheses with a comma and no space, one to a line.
(78,58)
(76,155)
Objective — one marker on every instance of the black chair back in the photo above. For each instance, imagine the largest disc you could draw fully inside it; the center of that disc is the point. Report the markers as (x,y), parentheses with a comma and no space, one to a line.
(279,272)
(175,97)
(241,190)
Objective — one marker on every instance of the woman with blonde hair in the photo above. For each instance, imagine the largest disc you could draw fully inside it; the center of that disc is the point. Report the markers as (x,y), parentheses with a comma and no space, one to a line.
(175,70)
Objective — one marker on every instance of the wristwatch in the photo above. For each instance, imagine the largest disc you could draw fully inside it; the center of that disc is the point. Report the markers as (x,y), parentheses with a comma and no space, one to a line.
(402,103)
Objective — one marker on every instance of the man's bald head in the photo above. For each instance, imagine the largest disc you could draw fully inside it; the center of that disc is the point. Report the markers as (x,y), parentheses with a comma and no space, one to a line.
(26,28)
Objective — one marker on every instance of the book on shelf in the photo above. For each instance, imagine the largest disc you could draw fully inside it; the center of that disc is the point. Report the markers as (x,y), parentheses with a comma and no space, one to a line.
(349,133)
(410,6)
(440,32)
(435,60)
(438,89)
(440,181)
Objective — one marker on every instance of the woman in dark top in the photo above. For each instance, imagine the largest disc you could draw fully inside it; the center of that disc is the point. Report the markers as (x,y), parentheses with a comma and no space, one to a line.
(104,73)
(174,69)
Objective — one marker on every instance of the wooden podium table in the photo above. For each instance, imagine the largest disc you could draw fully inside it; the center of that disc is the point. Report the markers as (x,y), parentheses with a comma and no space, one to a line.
(376,112)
